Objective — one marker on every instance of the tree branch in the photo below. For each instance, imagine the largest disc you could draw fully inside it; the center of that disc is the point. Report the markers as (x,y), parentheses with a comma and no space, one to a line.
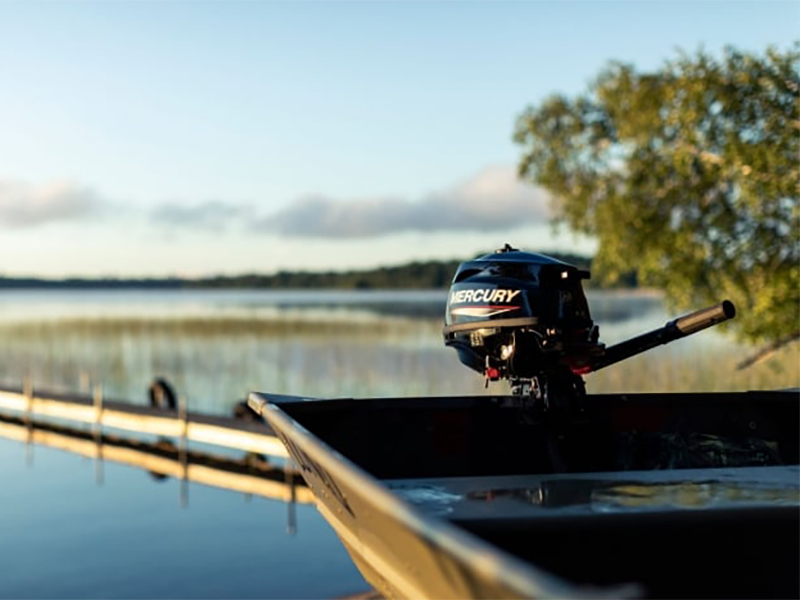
(767,351)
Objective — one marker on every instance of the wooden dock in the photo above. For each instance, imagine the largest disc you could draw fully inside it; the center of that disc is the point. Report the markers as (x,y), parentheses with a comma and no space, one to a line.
(38,418)
(250,436)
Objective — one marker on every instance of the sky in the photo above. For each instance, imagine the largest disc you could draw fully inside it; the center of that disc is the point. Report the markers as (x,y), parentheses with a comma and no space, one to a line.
(200,138)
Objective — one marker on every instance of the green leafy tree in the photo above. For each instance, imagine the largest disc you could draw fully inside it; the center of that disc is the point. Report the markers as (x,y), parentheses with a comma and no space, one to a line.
(690,175)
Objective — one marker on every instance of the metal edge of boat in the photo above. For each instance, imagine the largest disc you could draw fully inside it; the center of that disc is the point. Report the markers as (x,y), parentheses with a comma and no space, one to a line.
(402,552)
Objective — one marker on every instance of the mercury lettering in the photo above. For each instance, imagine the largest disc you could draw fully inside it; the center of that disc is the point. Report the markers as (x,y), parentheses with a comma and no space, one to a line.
(490,296)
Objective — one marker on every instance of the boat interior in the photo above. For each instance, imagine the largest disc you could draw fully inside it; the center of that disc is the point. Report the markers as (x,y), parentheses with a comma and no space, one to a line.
(685,494)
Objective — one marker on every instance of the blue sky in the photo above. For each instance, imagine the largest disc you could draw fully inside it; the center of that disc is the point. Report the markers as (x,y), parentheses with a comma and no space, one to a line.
(189,138)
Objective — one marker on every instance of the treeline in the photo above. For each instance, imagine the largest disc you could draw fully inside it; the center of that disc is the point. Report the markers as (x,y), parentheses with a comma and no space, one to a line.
(415,275)
(77,283)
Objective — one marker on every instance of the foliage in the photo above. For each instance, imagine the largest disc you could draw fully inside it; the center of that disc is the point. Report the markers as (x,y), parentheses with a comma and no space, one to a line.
(690,174)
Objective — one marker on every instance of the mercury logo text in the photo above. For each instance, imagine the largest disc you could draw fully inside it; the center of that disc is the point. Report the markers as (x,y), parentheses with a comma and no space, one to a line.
(492,296)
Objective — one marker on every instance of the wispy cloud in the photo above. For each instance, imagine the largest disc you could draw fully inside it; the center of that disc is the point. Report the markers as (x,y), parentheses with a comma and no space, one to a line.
(492,200)
(23,205)
(212,215)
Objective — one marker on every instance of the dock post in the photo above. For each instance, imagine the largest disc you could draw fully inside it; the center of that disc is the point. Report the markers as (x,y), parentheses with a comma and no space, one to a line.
(27,390)
(97,432)
(183,416)
(84,381)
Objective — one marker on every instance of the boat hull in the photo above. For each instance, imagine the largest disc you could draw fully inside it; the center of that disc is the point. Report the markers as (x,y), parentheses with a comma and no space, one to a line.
(428,508)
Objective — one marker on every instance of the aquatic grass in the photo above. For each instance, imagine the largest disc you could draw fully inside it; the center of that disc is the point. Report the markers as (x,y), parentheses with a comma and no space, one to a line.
(216,366)
(199,326)
(216,360)
(701,370)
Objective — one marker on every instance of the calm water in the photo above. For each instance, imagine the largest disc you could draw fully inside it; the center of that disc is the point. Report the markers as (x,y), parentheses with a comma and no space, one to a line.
(64,535)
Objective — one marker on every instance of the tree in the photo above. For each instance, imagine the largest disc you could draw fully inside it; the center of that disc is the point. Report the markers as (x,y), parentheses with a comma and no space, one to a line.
(690,175)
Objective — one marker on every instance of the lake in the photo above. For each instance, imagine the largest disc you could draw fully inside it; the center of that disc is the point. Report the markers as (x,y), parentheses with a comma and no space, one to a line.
(71,531)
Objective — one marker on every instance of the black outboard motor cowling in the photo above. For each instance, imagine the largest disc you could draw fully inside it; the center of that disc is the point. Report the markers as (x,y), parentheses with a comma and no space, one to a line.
(514,315)
(524,317)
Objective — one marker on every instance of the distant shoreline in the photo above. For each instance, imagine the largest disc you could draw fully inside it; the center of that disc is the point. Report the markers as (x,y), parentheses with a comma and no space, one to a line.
(415,275)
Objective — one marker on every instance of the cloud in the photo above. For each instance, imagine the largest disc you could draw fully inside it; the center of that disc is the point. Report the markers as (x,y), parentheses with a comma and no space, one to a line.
(490,201)
(211,216)
(23,205)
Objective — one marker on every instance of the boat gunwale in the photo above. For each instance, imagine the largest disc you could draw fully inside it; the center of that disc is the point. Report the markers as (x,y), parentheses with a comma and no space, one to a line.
(491,562)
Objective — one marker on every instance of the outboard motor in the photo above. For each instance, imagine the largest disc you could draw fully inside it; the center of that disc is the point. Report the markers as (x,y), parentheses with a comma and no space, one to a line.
(524,317)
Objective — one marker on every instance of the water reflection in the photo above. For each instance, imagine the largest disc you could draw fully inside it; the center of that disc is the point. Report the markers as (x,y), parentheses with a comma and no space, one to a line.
(38,305)
(64,536)
(630,492)
(252,474)
(598,495)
